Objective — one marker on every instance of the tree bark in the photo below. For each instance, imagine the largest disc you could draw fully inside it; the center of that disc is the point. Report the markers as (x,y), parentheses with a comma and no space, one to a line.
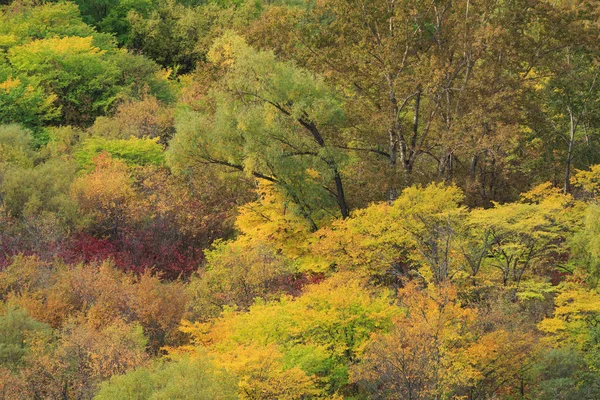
(567,185)
(339,186)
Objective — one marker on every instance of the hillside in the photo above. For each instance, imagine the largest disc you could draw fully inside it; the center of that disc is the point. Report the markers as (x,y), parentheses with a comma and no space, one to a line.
(300,199)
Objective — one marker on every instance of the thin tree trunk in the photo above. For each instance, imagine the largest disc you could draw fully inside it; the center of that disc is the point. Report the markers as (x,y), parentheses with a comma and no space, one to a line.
(410,160)
(394,130)
(339,187)
(567,186)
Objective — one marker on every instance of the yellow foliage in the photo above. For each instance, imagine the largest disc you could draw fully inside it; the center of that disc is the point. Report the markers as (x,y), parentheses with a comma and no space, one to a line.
(63,46)
(577,310)
(9,84)
(106,193)
(226,48)
(413,231)
(268,220)
(588,180)
(439,349)
(274,347)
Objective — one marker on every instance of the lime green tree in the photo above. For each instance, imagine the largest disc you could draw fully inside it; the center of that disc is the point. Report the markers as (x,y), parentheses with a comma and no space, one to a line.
(280,126)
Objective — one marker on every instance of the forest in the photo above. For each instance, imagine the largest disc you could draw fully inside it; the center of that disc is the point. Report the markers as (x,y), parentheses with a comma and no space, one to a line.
(300,199)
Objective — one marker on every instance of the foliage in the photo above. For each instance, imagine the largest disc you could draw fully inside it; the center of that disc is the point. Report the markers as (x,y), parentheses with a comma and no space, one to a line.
(418,229)
(147,117)
(276,128)
(16,328)
(133,151)
(292,199)
(56,294)
(439,349)
(43,188)
(187,378)
(61,69)
(15,146)
(310,341)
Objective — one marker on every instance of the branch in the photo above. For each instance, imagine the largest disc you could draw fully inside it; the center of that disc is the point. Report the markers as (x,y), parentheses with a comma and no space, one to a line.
(239,168)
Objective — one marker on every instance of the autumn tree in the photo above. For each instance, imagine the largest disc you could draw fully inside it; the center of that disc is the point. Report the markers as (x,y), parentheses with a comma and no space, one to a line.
(416,234)
(297,347)
(521,233)
(437,350)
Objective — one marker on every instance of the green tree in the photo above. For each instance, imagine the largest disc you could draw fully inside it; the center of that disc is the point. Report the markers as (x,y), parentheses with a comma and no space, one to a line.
(83,80)
(55,68)
(16,327)
(187,378)
(281,126)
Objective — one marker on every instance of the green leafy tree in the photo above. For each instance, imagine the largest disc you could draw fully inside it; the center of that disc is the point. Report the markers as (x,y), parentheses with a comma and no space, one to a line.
(280,126)
(83,80)
(186,378)
(16,326)
(55,68)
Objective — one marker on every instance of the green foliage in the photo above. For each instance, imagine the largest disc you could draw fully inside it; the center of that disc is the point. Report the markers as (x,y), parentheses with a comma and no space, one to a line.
(170,34)
(277,127)
(58,69)
(133,151)
(15,146)
(21,102)
(564,374)
(21,24)
(45,187)
(187,378)
(142,76)
(74,70)
(16,328)
(111,16)
(585,245)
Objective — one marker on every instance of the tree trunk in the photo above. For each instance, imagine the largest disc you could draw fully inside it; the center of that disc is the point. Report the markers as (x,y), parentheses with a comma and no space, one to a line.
(394,130)
(409,161)
(567,187)
(339,187)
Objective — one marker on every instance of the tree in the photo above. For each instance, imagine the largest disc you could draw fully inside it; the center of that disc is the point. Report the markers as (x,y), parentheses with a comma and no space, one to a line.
(111,16)
(43,188)
(170,34)
(147,117)
(186,378)
(107,205)
(438,349)
(74,70)
(520,233)
(281,126)
(65,69)
(423,80)
(16,327)
(73,365)
(297,347)
(16,146)
(571,343)
(22,103)
(572,100)
(416,232)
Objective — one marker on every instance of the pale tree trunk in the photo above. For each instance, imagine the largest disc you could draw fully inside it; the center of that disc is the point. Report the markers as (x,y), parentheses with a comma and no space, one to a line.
(572,125)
